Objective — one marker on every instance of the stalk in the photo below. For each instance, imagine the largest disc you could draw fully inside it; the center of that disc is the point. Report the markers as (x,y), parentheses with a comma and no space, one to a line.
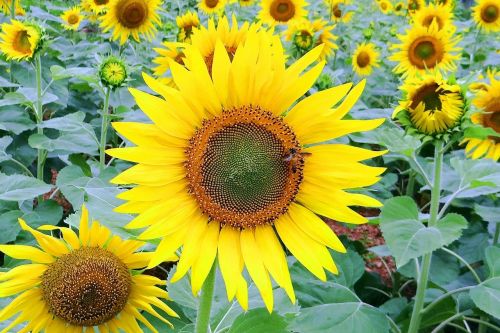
(41,154)
(104,129)
(416,316)
(205,305)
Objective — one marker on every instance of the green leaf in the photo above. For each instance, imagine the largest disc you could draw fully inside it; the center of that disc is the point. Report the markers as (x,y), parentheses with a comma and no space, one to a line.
(19,187)
(83,73)
(487,296)
(14,98)
(47,212)
(408,238)
(488,213)
(15,119)
(9,226)
(258,321)
(492,257)
(397,141)
(4,143)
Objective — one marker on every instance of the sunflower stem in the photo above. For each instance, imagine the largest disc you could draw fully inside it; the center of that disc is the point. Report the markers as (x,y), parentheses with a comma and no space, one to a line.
(205,304)
(39,115)
(104,129)
(426,260)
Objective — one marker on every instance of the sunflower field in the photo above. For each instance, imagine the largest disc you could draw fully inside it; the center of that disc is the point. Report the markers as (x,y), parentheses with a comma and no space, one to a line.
(250,166)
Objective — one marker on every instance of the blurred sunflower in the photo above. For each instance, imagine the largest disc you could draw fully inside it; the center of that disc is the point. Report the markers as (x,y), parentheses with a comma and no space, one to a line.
(442,15)
(385,6)
(338,12)
(72,18)
(5,7)
(131,18)
(281,11)
(431,105)
(486,14)
(80,282)
(211,6)
(487,100)
(96,6)
(449,3)
(19,10)
(169,51)
(20,40)
(246,2)
(425,48)
(186,23)
(413,6)
(399,8)
(227,173)
(301,32)
(364,59)
(325,38)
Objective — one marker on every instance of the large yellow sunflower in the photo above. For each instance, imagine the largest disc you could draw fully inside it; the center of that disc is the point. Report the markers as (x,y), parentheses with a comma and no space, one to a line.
(211,6)
(72,18)
(338,11)
(325,38)
(364,59)
(186,23)
(19,41)
(131,18)
(425,48)
(96,6)
(80,282)
(433,105)
(282,11)
(229,172)
(440,14)
(486,13)
(487,100)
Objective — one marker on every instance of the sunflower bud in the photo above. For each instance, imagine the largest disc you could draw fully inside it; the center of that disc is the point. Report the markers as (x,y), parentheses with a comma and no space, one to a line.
(113,72)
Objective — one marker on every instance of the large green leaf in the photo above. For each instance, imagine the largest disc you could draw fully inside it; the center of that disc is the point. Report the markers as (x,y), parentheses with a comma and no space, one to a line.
(258,321)
(487,296)
(19,187)
(492,257)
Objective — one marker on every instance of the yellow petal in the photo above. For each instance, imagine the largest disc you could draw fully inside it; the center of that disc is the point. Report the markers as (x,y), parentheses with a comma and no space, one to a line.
(205,261)
(27,252)
(148,135)
(149,155)
(84,226)
(68,235)
(151,175)
(229,256)
(49,244)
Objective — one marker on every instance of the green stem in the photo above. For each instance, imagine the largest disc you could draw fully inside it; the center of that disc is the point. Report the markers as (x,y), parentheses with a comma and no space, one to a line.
(426,261)
(479,321)
(463,261)
(497,234)
(22,166)
(410,187)
(104,129)
(205,305)
(39,115)
(443,296)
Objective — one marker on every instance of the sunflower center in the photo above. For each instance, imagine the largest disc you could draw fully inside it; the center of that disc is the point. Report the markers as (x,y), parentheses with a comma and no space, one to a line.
(132,13)
(398,7)
(73,19)
(303,39)
(383,5)
(282,10)
(101,2)
(86,287)
(492,117)
(425,52)
(428,95)
(22,42)
(244,167)
(337,12)
(363,59)
(428,21)
(211,3)
(489,13)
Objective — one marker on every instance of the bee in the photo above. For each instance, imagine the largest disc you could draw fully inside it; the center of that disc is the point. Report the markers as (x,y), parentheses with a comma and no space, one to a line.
(295,158)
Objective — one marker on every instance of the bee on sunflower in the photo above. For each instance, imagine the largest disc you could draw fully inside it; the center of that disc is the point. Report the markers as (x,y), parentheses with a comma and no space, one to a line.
(229,173)
(276,12)
(441,14)
(487,100)
(186,23)
(385,6)
(21,40)
(486,14)
(80,282)
(365,58)
(72,18)
(211,7)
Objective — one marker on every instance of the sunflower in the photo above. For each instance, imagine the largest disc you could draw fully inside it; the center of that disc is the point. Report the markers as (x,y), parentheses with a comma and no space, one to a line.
(6,7)
(338,12)
(281,11)
(301,32)
(170,51)
(227,173)
(414,5)
(72,18)
(20,41)
(432,105)
(364,59)
(245,3)
(449,3)
(487,100)
(325,38)
(398,8)
(131,17)
(385,6)
(186,23)
(80,282)
(442,15)
(425,48)
(210,7)
(486,13)
(19,10)
(96,6)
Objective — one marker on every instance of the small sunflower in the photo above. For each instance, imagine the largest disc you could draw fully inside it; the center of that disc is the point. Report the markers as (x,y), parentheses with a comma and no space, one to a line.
(20,40)
(449,3)
(72,18)
(338,11)
(365,58)
(169,51)
(19,10)
(487,100)
(442,15)
(186,23)
(281,11)
(5,7)
(486,13)
(229,172)
(413,6)
(302,33)
(131,18)
(325,37)
(113,72)
(431,105)
(210,7)
(385,6)
(425,48)
(96,6)
(399,8)
(80,282)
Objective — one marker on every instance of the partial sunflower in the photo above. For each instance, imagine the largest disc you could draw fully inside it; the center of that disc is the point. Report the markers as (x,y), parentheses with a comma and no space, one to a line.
(186,23)
(399,9)
(210,7)
(131,18)
(450,3)
(20,40)
(302,33)
(431,105)
(487,100)
(96,6)
(169,51)
(246,3)
(325,37)
(282,11)
(80,282)
(442,15)
(365,58)
(413,6)
(19,10)
(338,10)
(425,48)
(385,6)
(228,173)
(486,14)
(72,18)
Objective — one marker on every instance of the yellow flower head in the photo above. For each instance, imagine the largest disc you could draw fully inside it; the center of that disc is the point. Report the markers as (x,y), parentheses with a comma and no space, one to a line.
(211,7)
(131,18)
(413,6)
(399,8)
(364,59)
(425,48)
(281,11)
(486,14)
(302,33)
(385,6)
(72,18)
(487,100)
(79,282)
(19,10)
(432,105)
(245,3)
(440,14)
(325,38)
(338,11)
(20,40)
(170,51)
(186,23)
(230,166)
(95,6)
